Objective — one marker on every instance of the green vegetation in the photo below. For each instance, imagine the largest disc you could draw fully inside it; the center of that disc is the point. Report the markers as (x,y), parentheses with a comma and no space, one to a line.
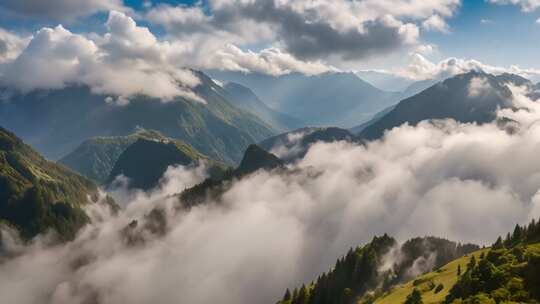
(445,276)
(508,272)
(96,157)
(414,298)
(145,161)
(360,277)
(36,194)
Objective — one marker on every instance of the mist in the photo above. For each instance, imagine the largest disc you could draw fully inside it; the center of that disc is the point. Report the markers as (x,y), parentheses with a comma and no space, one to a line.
(273,230)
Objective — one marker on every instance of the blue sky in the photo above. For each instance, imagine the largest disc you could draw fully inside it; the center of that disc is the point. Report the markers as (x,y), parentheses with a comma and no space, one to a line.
(510,36)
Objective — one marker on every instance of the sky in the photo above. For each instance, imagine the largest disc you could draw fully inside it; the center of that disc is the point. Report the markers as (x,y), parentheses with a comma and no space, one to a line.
(413,39)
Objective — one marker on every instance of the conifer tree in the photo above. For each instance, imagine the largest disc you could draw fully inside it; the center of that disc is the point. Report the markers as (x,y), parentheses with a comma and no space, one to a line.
(287,295)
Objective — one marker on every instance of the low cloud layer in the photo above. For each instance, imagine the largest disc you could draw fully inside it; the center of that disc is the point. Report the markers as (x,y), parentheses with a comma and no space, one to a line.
(465,182)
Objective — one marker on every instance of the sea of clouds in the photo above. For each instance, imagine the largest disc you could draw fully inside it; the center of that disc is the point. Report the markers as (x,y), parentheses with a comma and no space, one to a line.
(464,182)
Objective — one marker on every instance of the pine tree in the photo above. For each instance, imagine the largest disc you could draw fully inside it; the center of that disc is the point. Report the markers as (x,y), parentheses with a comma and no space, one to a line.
(472,263)
(302,295)
(458,270)
(287,295)
(498,244)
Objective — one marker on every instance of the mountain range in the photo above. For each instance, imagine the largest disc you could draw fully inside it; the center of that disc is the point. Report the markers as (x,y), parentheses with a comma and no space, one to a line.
(55,122)
(244,98)
(330,99)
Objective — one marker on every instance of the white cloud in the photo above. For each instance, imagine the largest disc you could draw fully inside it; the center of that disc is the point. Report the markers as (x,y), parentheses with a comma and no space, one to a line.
(60,10)
(128,60)
(308,29)
(11,45)
(270,61)
(436,23)
(298,36)
(440,178)
(525,5)
(478,87)
(426,49)
(420,68)
(486,21)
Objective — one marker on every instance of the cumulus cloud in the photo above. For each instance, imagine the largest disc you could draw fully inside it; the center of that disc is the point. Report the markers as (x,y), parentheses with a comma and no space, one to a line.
(128,60)
(436,23)
(441,178)
(525,5)
(420,68)
(60,10)
(271,61)
(347,30)
(310,37)
(11,45)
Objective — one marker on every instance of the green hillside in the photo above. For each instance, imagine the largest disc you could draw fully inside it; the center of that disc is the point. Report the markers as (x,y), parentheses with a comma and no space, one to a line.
(36,194)
(96,157)
(360,276)
(145,161)
(445,276)
(508,272)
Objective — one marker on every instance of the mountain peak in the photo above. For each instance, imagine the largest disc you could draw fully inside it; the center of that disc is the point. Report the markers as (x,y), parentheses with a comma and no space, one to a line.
(145,161)
(256,158)
(470,97)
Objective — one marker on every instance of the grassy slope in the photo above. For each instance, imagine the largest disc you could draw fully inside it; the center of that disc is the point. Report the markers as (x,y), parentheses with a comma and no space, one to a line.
(447,275)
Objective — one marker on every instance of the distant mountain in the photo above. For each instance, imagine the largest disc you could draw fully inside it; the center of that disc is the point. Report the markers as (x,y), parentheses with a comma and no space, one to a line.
(96,157)
(361,127)
(245,99)
(417,87)
(411,90)
(255,158)
(293,145)
(145,161)
(37,195)
(362,274)
(385,81)
(56,121)
(470,97)
(331,99)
